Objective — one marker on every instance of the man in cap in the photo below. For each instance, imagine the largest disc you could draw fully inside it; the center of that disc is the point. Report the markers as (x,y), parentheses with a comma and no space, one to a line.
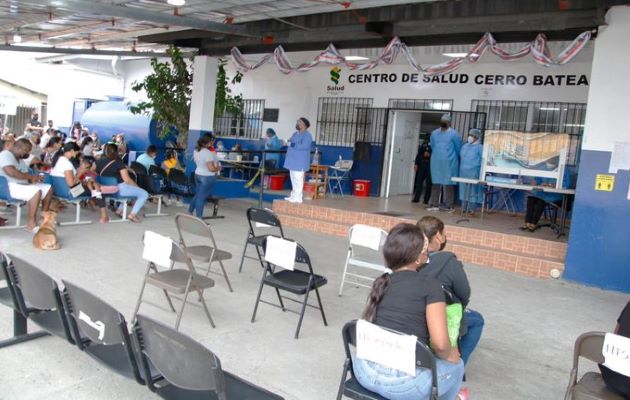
(445,144)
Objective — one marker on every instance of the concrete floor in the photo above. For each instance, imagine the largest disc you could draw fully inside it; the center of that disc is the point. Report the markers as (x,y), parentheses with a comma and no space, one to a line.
(525,351)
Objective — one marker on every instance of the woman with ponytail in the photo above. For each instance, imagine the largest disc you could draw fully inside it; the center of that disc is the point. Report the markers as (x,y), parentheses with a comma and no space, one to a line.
(411,303)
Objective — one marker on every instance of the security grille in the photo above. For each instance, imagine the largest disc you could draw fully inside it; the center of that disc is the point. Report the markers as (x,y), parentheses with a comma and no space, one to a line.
(17,123)
(247,124)
(537,116)
(340,119)
(421,104)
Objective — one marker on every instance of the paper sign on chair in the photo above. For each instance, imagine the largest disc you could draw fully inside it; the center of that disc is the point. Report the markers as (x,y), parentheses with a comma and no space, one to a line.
(616,352)
(281,252)
(366,236)
(386,348)
(157,249)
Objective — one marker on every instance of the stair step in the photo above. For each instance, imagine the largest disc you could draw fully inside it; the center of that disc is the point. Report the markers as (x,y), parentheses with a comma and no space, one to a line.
(513,253)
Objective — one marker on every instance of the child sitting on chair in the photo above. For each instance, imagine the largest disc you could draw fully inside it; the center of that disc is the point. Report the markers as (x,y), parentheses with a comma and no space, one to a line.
(172,162)
(87,175)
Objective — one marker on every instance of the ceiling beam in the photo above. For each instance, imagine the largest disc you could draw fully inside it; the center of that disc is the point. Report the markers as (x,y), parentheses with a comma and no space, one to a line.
(139,14)
(55,50)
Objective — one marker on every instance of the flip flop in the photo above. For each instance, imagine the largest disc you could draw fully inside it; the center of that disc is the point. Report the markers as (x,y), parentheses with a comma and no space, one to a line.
(133,218)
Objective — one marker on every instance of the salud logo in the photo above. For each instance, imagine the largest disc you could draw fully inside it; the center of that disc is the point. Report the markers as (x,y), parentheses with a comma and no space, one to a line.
(335,74)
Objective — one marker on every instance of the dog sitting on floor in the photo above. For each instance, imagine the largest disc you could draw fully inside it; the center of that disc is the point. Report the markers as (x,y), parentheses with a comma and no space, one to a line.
(46,236)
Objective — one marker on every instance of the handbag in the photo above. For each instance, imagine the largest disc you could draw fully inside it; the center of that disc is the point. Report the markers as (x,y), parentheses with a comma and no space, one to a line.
(77,190)
(108,189)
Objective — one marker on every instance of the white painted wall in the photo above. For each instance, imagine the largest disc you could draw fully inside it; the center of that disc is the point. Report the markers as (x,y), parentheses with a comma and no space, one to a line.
(608,97)
(62,83)
(21,96)
(297,94)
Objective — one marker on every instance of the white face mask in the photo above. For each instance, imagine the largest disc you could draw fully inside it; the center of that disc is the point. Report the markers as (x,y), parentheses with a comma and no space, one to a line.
(471,139)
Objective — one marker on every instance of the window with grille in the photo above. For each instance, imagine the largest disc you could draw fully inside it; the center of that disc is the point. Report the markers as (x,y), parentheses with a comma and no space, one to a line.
(421,104)
(341,119)
(247,124)
(537,116)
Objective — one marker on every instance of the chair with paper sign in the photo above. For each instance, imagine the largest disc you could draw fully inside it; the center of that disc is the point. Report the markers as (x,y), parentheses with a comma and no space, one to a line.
(364,338)
(261,218)
(279,272)
(591,386)
(161,251)
(101,331)
(364,251)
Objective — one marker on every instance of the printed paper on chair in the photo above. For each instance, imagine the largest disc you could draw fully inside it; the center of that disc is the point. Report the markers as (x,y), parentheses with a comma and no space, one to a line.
(386,348)
(157,249)
(281,252)
(616,352)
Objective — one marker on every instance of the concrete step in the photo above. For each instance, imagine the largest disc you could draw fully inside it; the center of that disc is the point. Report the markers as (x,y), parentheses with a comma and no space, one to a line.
(526,256)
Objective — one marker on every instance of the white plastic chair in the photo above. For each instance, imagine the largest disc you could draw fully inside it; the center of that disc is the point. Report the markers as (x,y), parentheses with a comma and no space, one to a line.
(364,251)
(338,173)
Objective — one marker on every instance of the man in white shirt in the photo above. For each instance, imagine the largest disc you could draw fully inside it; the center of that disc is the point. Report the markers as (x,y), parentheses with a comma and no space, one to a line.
(22,185)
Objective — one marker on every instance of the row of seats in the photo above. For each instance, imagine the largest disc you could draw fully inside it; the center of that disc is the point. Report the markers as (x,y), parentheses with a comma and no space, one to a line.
(169,363)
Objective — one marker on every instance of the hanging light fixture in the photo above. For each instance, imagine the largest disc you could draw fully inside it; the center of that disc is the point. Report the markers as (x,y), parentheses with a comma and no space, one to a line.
(176,3)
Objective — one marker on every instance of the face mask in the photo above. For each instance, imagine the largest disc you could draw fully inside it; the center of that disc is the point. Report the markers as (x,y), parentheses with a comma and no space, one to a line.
(471,139)
(443,245)
(444,125)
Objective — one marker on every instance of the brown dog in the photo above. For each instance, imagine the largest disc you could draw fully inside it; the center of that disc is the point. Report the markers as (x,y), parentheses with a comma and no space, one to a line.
(46,236)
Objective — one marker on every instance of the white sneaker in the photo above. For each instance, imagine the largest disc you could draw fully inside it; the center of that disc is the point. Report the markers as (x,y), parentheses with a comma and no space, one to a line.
(289,199)
(433,208)
(297,201)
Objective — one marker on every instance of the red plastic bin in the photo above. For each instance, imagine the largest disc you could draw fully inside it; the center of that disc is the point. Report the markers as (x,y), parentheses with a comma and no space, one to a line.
(361,187)
(276,182)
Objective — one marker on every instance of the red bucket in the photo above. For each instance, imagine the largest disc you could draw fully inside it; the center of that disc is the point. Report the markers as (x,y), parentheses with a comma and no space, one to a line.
(276,182)
(361,188)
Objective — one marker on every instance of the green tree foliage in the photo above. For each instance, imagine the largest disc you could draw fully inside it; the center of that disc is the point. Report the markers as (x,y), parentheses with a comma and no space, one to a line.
(169,90)
(225,102)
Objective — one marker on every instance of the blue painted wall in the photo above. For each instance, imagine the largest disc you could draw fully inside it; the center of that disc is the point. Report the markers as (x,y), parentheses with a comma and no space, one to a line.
(599,241)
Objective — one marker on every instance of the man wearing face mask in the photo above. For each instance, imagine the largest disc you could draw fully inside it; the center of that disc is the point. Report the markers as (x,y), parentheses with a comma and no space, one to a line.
(446,268)
(298,158)
(446,144)
(22,185)
(471,153)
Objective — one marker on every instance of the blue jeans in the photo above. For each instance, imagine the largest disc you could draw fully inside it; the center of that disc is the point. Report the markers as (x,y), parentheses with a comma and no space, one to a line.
(141,195)
(396,385)
(204,186)
(468,342)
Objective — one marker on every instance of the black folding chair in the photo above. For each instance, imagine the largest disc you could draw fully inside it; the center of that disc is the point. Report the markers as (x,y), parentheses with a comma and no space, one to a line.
(8,298)
(187,369)
(39,298)
(101,331)
(146,182)
(298,282)
(259,217)
(351,388)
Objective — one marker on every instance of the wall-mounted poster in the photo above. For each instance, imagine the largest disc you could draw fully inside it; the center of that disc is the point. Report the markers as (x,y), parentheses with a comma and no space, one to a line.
(537,154)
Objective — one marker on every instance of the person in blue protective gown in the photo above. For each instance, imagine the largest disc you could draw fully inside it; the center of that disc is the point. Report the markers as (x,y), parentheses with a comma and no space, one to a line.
(446,143)
(298,158)
(272,143)
(470,156)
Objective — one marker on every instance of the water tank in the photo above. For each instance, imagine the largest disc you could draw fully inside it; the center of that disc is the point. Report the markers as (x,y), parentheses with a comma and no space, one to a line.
(109,118)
